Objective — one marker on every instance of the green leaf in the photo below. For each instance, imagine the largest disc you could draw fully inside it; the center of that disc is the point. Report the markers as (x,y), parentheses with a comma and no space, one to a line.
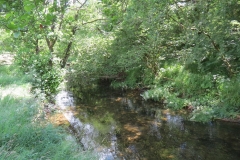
(49,17)
(24,17)
(12,26)
(28,8)
(28,5)
(8,15)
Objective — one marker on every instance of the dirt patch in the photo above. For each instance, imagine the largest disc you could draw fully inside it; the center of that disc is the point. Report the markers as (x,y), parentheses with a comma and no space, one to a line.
(6,58)
(58,119)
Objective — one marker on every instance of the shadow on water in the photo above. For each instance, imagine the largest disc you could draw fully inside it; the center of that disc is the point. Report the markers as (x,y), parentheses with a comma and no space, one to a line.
(126,127)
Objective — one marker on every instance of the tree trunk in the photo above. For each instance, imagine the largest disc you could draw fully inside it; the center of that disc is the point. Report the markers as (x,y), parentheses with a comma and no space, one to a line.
(67,51)
(66,56)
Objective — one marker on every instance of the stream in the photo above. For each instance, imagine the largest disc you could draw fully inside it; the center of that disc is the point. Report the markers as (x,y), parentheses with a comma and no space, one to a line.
(121,125)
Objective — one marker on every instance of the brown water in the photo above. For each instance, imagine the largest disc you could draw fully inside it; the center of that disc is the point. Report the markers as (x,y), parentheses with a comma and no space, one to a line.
(135,129)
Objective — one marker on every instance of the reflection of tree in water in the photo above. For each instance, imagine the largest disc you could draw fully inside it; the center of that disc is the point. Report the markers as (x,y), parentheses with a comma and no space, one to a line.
(169,136)
(145,130)
(210,141)
(154,129)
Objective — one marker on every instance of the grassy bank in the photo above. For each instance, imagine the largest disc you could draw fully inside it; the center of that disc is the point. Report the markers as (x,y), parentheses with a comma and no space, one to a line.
(23,133)
(208,96)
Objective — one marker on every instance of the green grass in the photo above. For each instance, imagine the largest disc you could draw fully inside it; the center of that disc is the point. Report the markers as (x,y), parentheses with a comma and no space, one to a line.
(23,135)
(9,75)
(210,96)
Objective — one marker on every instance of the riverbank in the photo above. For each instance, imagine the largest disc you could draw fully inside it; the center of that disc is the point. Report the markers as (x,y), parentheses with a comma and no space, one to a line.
(24,131)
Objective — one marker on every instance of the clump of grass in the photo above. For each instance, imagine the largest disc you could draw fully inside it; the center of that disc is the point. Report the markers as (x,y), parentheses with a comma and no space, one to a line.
(22,137)
(11,76)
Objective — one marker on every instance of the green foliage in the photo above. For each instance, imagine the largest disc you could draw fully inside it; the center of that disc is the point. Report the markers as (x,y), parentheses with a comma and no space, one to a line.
(45,31)
(46,77)
(229,92)
(23,134)
(187,52)
(132,80)
(8,76)
(87,64)
(204,114)
(22,139)
(209,96)
(6,42)
(181,82)
(114,11)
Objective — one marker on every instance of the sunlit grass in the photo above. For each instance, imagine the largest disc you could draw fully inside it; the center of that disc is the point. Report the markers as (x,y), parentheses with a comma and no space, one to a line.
(13,82)
(22,136)
(10,75)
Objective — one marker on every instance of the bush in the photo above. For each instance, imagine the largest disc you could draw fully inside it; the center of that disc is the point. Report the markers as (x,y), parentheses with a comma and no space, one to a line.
(229,91)
(46,75)
(210,96)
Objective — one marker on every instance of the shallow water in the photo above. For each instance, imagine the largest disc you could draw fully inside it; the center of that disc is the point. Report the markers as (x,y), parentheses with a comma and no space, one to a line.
(131,128)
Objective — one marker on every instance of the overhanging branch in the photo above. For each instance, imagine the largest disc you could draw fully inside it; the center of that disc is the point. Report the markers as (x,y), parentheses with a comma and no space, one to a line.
(82,4)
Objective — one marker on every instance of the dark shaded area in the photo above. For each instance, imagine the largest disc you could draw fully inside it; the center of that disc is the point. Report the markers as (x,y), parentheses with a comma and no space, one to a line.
(146,130)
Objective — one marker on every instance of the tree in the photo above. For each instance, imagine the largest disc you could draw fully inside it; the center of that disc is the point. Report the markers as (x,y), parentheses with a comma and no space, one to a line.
(44,33)
(187,51)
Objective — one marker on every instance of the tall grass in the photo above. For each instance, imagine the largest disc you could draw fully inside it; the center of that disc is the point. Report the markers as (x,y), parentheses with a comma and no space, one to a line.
(209,96)
(9,75)
(22,136)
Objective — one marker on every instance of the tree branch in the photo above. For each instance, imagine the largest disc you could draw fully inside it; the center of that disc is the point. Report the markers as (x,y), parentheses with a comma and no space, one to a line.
(93,21)
(82,4)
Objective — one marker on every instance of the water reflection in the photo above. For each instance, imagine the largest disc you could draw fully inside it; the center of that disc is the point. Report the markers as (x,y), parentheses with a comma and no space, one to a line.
(86,131)
(130,128)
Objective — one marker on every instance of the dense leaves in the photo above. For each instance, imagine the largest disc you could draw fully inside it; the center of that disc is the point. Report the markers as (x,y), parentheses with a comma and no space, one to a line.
(186,52)
(44,33)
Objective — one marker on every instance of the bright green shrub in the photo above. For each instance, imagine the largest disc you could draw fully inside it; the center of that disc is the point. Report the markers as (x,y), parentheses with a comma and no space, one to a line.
(229,92)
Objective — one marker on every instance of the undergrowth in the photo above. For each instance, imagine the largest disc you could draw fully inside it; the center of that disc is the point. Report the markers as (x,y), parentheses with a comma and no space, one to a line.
(23,135)
(209,96)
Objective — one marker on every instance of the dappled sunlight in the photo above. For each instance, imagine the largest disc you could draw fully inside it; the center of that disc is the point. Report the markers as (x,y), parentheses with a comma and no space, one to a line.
(133,129)
(132,132)
(58,119)
(88,132)
(73,63)
(166,154)
(6,58)
(16,91)
(118,99)
(11,82)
